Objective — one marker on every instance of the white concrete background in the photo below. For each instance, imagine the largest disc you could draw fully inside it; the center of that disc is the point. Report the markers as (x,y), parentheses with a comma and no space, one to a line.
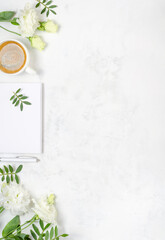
(104,121)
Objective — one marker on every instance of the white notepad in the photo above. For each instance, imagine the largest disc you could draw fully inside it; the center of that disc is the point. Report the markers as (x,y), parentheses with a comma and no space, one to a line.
(21,131)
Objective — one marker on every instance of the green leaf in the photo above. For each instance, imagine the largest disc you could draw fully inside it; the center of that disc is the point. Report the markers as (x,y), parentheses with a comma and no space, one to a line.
(53,12)
(64,235)
(51,233)
(19,169)
(53,6)
(12,97)
(17,103)
(44,1)
(14,21)
(12,179)
(6,16)
(47,14)
(18,90)
(56,231)
(11,226)
(14,101)
(36,229)
(21,106)
(47,235)
(27,103)
(37,5)
(48,3)
(6,169)
(24,97)
(20,95)
(17,179)
(41,224)
(43,10)
(1,171)
(47,225)
(7,179)
(23,236)
(3,178)
(11,168)
(33,234)
(57,238)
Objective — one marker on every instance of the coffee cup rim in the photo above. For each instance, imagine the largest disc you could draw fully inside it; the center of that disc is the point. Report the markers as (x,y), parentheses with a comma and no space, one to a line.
(27,56)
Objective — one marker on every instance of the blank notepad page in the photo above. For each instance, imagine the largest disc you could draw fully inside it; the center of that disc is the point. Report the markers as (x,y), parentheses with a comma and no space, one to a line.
(21,131)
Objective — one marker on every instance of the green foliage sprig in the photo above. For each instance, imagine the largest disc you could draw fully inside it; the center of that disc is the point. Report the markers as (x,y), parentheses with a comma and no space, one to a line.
(47,6)
(18,99)
(14,230)
(44,234)
(9,174)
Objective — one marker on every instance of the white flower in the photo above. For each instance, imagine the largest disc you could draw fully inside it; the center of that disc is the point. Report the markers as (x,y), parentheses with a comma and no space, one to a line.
(48,26)
(29,21)
(15,198)
(36,42)
(45,209)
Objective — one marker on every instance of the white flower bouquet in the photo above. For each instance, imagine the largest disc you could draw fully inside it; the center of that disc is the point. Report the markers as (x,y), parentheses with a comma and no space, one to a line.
(17,200)
(29,22)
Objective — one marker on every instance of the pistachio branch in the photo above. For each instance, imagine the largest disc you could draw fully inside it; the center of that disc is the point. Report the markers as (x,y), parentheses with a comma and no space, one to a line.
(19,99)
(8,174)
(47,6)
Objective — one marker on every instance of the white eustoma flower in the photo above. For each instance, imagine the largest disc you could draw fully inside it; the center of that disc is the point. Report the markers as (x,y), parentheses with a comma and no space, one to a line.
(51,27)
(15,198)
(29,21)
(48,26)
(45,209)
(36,42)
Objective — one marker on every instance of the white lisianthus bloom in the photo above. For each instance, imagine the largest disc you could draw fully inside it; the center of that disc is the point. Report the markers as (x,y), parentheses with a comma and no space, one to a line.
(48,26)
(45,209)
(28,21)
(36,42)
(15,198)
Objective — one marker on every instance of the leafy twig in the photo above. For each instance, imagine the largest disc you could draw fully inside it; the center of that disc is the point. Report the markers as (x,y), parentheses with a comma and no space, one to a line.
(9,174)
(18,99)
(47,6)
(51,234)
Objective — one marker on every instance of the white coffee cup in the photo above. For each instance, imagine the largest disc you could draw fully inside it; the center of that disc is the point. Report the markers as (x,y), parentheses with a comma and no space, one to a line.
(25,68)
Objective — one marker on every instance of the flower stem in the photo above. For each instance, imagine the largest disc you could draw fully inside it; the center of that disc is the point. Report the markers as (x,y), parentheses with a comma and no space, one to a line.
(29,224)
(10,31)
(2,209)
(31,221)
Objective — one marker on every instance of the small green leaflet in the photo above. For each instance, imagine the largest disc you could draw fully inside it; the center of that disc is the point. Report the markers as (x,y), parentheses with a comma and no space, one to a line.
(36,229)
(33,234)
(19,169)
(41,224)
(18,99)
